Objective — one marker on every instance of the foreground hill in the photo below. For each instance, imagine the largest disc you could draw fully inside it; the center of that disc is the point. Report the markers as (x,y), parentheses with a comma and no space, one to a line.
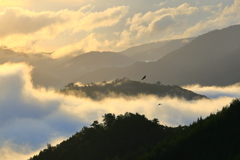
(126,87)
(133,136)
(210,59)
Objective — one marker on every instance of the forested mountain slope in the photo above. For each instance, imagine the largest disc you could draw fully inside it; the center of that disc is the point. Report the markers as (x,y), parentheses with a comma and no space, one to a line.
(133,136)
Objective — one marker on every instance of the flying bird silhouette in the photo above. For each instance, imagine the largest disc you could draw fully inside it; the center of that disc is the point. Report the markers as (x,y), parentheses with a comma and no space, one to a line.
(144,77)
(159,104)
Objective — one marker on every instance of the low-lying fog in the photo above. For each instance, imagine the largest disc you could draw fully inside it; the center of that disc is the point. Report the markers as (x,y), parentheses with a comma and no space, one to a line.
(30,118)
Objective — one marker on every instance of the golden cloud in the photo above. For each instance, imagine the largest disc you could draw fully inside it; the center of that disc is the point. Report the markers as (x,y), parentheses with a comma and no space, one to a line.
(21,26)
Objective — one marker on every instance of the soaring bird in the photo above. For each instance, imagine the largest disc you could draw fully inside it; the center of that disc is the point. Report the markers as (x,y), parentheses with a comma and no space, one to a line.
(159,104)
(144,77)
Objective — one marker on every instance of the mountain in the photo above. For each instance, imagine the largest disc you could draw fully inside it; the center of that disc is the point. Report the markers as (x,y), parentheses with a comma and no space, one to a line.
(44,79)
(215,137)
(209,59)
(88,62)
(143,48)
(127,88)
(41,62)
(157,53)
(133,136)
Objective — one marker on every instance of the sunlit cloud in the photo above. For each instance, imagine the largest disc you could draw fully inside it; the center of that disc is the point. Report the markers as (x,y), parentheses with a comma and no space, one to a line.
(92,42)
(159,22)
(216,91)
(23,26)
(106,18)
(162,3)
(7,3)
(68,24)
(18,21)
(11,151)
(221,18)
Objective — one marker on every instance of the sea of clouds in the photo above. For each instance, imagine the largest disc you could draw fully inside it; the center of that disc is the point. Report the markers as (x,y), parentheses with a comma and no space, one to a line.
(31,117)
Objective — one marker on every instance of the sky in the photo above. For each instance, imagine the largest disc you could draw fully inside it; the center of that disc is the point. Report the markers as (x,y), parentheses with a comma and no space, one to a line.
(70,27)
(32,117)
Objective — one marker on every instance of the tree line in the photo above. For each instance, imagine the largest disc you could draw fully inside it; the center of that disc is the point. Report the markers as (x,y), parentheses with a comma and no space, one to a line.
(125,87)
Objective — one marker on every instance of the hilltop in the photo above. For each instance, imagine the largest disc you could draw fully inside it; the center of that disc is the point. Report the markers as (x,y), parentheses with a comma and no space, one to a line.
(125,87)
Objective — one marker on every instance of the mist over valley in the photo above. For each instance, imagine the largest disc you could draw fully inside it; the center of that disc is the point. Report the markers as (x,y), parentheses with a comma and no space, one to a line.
(145,80)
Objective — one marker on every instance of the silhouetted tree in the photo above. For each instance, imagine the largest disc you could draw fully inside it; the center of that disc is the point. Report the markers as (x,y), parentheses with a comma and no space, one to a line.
(109,119)
(158,82)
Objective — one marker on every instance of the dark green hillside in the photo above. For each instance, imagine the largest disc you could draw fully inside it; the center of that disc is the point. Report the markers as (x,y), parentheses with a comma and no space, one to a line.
(121,136)
(125,87)
(215,138)
(134,137)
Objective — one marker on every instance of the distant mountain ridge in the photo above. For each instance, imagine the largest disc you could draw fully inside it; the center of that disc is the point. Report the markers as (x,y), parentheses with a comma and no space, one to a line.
(209,59)
(154,54)
(88,62)
(143,48)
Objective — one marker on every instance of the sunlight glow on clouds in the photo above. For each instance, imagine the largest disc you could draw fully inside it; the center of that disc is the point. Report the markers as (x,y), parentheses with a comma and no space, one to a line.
(11,151)
(230,15)
(165,14)
(13,2)
(216,91)
(32,26)
(30,118)
(70,24)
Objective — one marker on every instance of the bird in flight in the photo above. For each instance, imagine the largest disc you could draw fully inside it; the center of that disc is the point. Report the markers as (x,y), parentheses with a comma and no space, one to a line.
(159,104)
(144,77)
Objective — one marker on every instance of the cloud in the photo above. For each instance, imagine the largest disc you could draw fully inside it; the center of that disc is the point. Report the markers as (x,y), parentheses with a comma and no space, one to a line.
(69,26)
(55,28)
(18,21)
(109,17)
(28,115)
(11,151)
(183,9)
(207,8)
(126,39)
(7,3)
(229,15)
(30,118)
(93,42)
(162,3)
(152,24)
(162,24)
(216,91)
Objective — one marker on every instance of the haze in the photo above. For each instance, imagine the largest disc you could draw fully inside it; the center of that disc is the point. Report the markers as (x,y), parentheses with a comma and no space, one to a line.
(47,44)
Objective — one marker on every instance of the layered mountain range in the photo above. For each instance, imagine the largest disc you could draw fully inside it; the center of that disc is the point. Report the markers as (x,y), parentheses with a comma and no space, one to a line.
(209,59)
